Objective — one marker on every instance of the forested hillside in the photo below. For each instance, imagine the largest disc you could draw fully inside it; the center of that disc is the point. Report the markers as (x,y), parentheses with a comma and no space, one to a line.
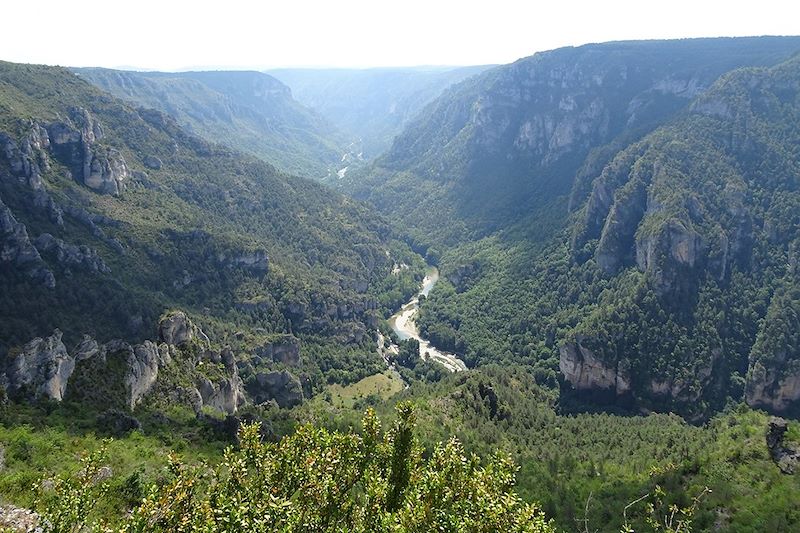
(248,111)
(112,215)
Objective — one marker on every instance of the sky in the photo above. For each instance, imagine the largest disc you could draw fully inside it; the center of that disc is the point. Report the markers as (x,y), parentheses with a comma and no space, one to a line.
(235,34)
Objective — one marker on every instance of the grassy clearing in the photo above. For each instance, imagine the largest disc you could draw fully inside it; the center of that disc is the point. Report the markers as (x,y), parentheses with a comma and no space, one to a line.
(384,386)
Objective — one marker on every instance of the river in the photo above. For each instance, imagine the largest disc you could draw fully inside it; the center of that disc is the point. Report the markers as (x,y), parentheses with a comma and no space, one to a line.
(403,324)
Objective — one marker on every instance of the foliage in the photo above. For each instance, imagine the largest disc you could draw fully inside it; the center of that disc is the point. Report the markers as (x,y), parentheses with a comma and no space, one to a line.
(317,480)
(67,501)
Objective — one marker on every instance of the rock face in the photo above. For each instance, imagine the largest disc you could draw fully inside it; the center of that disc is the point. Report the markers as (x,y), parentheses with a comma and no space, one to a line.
(17,249)
(769,390)
(285,350)
(76,144)
(41,369)
(143,362)
(283,387)
(257,260)
(617,237)
(225,394)
(773,377)
(70,255)
(585,372)
(787,458)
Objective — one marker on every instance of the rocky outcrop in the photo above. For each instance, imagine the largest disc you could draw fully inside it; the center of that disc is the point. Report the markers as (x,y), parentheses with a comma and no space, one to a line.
(26,162)
(120,375)
(787,458)
(107,171)
(17,249)
(143,362)
(680,244)
(225,395)
(71,255)
(586,372)
(770,389)
(86,349)
(176,329)
(256,260)
(76,144)
(617,238)
(284,350)
(42,368)
(668,253)
(152,162)
(283,387)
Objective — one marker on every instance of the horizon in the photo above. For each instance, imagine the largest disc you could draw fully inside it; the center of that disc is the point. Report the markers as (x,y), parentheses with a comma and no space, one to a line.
(420,67)
(357,35)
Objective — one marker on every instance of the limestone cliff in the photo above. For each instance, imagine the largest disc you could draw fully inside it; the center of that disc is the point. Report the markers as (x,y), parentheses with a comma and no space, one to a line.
(586,372)
(41,368)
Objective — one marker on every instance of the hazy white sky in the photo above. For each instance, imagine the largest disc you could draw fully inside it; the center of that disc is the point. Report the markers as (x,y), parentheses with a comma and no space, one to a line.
(176,34)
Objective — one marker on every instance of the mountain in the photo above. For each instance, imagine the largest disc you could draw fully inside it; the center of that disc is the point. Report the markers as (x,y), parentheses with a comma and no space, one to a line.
(373,105)
(247,111)
(620,217)
(507,143)
(707,209)
(112,218)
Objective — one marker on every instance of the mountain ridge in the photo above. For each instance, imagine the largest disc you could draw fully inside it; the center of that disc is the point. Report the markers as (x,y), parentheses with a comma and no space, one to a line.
(247,110)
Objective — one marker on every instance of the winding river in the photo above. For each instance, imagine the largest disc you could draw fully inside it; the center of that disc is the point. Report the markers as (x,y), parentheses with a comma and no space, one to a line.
(405,327)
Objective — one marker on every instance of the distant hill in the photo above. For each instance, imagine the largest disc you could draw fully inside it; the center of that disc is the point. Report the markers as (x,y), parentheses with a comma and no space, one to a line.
(374,104)
(248,111)
(509,141)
